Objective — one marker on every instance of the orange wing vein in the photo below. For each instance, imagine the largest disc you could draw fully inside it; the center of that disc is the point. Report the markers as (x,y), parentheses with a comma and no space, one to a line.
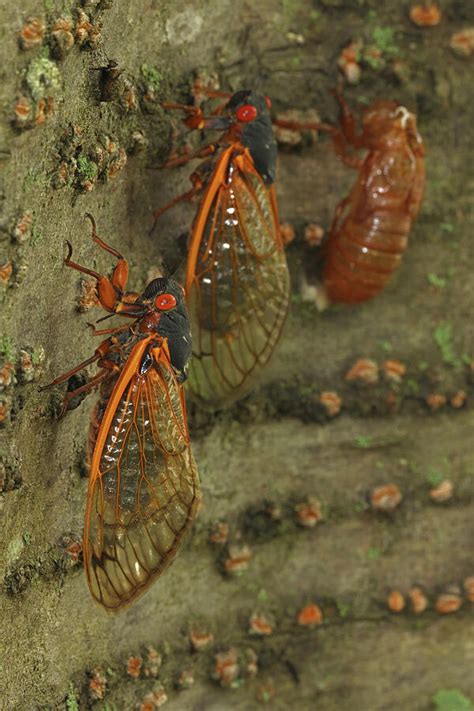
(238,282)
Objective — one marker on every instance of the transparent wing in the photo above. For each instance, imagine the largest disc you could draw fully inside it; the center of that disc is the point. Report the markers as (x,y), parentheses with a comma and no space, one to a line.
(143,491)
(239,295)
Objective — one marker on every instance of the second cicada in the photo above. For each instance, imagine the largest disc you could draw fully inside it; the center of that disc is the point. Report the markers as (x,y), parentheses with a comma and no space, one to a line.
(143,483)
(237,280)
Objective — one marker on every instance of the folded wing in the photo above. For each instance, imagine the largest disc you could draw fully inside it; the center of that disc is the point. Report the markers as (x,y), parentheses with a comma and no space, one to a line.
(143,488)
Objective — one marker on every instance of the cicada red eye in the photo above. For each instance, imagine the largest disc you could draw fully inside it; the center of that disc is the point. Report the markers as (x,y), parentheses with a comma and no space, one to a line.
(246,113)
(268,102)
(165,302)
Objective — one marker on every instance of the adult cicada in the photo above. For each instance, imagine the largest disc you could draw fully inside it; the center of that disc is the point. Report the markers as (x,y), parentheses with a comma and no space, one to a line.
(143,483)
(237,280)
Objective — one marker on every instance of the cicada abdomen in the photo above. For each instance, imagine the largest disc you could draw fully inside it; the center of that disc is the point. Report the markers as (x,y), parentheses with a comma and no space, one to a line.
(371,226)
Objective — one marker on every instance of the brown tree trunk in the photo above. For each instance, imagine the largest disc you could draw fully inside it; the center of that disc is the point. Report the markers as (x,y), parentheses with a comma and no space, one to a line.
(65,152)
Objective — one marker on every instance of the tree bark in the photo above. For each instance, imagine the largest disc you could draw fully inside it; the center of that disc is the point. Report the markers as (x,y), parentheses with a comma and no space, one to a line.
(64,152)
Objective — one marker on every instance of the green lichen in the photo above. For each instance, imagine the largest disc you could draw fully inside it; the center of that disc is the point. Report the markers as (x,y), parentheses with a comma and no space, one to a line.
(42,77)
(451,700)
(435,280)
(443,336)
(374,553)
(434,477)
(447,227)
(36,236)
(413,386)
(152,76)
(15,548)
(7,349)
(71,699)
(383,38)
(363,442)
(343,608)
(87,169)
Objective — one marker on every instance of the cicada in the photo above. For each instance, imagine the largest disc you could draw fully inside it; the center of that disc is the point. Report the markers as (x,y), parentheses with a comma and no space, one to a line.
(371,226)
(143,488)
(237,280)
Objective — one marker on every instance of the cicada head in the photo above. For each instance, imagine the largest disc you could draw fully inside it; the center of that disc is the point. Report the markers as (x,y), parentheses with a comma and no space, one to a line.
(383,123)
(250,115)
(168,315)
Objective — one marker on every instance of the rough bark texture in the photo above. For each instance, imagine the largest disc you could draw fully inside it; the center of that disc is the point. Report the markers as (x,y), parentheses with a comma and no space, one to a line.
(278,447)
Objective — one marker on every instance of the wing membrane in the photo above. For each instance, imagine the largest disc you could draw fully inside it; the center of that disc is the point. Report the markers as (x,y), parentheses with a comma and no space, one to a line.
(240,289)
(143,490)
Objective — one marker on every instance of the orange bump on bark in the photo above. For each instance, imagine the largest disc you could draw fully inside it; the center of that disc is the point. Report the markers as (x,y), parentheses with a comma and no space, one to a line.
(97,684)
(22,228)
(442,492)
(86,32)
(331,402)
(260,625)
(435,401)
(6,271)
(185,679)
(62,34)
(395,601)
(32,33)
(425,14)
(203,83)
(226,668)
(308,513)
(219,533)
(348,62)
(310,615)
(238,560)
(287,232)
(88,298)
(446,603)
(129,97)
(313,234)
(386,497)
(74,550)
(200,639)
(153,663)
(134,666)
(6,374)
(469,588)
(154,700)
(4,411)
(364,370)
(458,399)
(394,370)
(462,43)
(23,111)
(418,600)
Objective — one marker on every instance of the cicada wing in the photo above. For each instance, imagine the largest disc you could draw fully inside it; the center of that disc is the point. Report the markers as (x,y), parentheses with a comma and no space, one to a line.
(239,293)
(144,488)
